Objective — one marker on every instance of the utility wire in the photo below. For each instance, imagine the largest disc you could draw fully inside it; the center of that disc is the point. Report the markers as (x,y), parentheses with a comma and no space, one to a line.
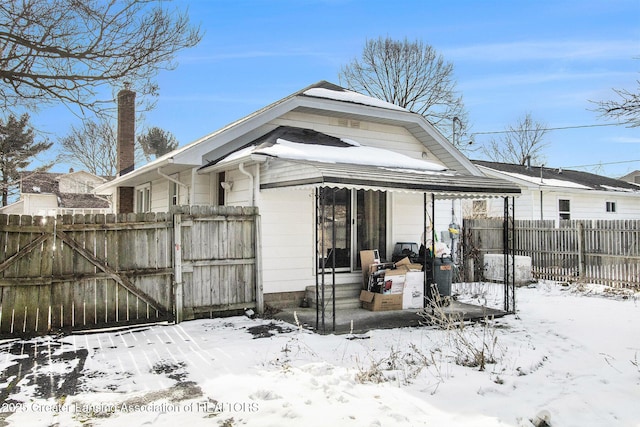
(599,164)
(555,128)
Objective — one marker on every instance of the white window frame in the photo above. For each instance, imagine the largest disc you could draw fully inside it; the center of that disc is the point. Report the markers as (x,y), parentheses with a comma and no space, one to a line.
(564,212)
(611,206)
(174,193)
(143,198)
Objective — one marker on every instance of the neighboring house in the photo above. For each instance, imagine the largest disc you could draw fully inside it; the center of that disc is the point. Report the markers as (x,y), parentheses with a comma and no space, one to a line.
(51,194)
(633,177)
(384,162)
(560,194)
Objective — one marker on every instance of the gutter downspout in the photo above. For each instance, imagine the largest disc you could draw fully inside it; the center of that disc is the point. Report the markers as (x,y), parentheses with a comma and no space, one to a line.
(258,240)
(192,193)
(251,185)
(172,179)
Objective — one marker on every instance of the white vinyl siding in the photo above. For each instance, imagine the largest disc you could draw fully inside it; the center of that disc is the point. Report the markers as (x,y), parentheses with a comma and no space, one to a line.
(288,223)
(371,134)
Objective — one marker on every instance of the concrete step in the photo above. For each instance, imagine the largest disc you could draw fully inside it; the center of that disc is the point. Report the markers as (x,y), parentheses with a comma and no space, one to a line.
(341,304)
(351,290)
(347,296)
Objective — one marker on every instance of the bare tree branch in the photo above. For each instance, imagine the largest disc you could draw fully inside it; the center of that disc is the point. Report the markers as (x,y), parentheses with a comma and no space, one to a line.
(521,142)
(625,109)
(93,146)
(409,74)
(69,50)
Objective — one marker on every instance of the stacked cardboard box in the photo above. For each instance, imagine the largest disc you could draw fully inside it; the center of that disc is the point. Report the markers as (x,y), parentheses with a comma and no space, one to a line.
(393,295)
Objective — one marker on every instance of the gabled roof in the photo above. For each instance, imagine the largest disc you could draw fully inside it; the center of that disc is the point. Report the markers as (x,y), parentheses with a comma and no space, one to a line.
(48,183)
(81,201)
(320,160)
(293,143)
(39,182)
(553,177)
(321,98)
(632,177)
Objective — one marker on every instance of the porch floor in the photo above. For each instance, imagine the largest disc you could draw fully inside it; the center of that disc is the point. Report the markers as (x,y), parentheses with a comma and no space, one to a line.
(365,320)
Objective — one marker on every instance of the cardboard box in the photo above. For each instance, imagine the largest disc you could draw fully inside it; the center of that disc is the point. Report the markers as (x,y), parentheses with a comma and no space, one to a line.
(394,283)
(367,259)
(403,261)
(380,302)
(413,295)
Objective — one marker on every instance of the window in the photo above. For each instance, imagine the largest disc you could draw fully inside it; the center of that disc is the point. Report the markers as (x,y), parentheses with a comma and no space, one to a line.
(350,221)
(221,191)
(611,207)
(143,198)
(174,193)
(479,209)
(564,209)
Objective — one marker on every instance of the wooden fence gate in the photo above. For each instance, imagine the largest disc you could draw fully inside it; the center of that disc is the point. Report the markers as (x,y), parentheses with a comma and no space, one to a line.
(94,271)
(215,252)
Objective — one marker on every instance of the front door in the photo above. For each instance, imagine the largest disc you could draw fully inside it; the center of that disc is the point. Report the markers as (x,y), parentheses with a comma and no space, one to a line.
(350,221)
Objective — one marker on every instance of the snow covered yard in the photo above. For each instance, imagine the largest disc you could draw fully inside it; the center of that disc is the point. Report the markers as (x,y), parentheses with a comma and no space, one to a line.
(571,351)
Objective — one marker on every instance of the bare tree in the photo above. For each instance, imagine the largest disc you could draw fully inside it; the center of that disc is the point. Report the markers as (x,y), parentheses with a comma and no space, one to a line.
(70,50)
(92,146)
(521,141)
(157,142)
(625,109)
(409,74)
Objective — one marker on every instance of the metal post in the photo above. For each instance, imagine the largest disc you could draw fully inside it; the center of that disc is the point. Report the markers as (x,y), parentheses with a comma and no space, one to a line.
(509,252)
(323,260)
(318,257)
(513,254)
(505,253)
(333,259)
(424,257)
(433,237)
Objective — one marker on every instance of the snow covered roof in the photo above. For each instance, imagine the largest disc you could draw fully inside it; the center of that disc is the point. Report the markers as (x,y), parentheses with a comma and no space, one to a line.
(341,94)
(322,160)
(292,143)
(321,98)
(559,178)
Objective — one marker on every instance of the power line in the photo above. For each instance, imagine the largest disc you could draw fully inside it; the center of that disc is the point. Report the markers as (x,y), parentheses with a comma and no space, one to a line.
(554,128)
(600,164)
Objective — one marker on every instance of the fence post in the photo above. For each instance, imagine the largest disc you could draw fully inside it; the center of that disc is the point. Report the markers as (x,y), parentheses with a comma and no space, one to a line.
(177,265)
(581,251)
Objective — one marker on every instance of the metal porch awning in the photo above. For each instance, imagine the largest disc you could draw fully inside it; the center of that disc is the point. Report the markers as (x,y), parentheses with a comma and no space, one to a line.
(444,185)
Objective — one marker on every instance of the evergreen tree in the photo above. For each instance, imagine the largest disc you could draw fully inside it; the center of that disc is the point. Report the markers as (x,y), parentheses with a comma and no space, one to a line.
(157,142)
(18,149)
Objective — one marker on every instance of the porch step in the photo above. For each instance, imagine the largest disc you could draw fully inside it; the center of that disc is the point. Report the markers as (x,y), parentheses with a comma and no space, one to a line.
(347,296)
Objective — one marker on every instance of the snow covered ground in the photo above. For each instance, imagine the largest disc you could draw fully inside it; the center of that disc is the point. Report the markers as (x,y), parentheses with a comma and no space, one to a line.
(571,353)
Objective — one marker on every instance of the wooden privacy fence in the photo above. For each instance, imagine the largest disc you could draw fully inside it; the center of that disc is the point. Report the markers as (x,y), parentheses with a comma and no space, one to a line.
(92,271)
(596,251)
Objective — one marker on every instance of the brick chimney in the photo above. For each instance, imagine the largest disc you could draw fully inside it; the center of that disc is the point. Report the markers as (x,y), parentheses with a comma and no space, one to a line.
(126,145)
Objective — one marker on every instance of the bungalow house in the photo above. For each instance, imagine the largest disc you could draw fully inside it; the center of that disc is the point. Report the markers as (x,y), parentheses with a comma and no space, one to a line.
(560,194)
(323,155)
(51,194)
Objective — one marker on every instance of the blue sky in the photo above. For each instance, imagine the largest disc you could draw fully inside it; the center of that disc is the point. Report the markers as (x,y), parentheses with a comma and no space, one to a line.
(549,58)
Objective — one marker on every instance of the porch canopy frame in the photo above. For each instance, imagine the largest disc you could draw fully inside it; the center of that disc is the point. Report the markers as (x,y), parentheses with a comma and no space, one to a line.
(432,184)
